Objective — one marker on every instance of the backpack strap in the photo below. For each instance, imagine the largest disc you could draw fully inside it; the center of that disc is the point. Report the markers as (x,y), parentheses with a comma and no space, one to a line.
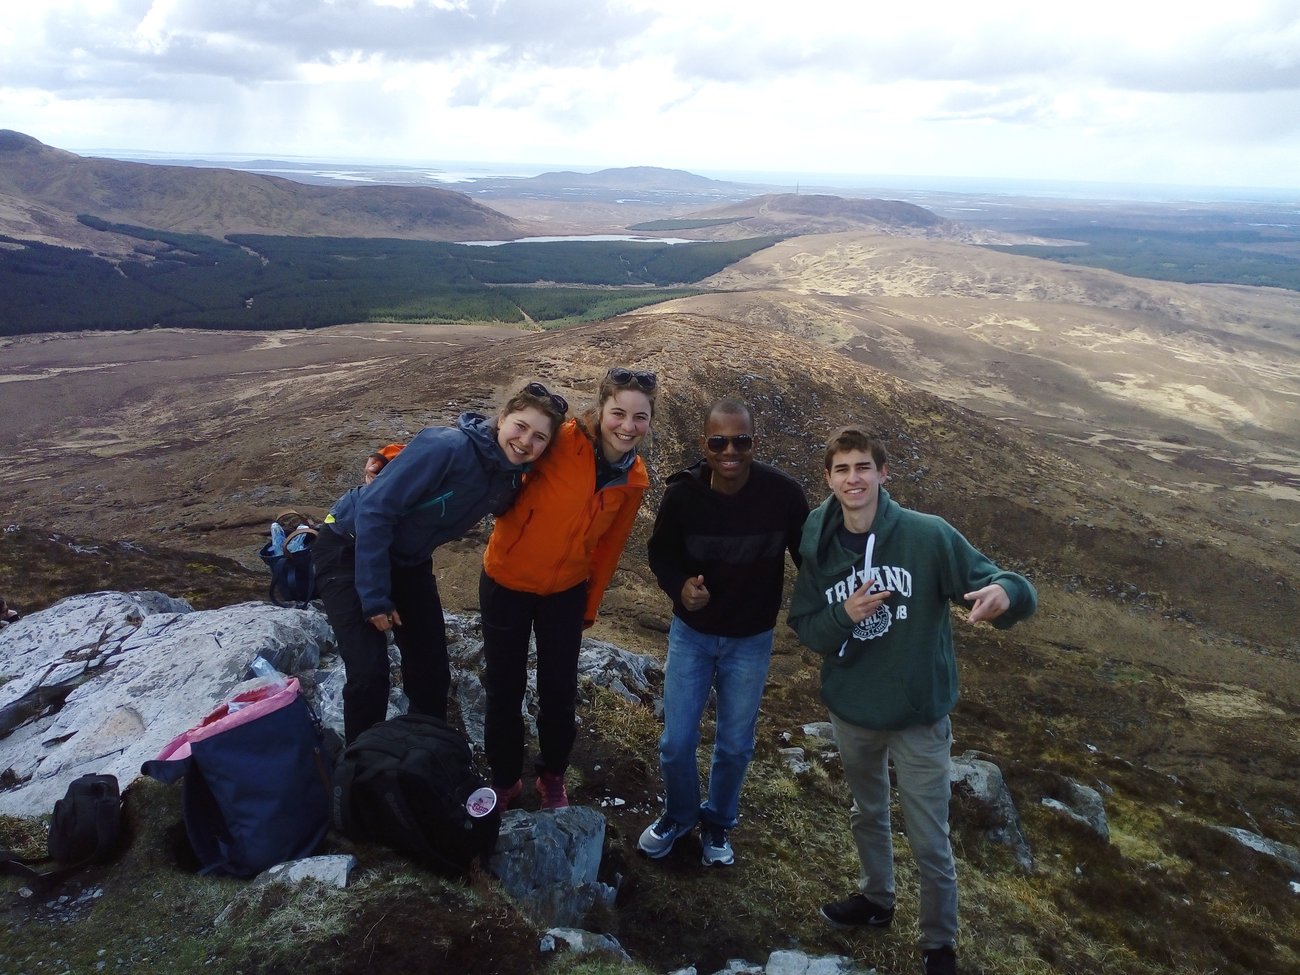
(16,866)
(341,798)
(394,794)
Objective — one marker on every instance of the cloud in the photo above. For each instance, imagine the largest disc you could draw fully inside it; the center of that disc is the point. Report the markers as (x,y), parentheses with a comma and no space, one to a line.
(741,84)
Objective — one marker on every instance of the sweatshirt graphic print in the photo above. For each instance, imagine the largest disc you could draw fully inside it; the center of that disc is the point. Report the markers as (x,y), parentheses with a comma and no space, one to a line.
(896,668)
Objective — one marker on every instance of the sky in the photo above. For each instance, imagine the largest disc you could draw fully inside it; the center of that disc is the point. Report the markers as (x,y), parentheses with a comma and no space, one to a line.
(1119,91)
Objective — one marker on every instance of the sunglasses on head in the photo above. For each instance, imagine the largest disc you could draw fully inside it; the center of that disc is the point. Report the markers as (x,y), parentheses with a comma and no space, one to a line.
(718,443)
(559,402)
(646,381)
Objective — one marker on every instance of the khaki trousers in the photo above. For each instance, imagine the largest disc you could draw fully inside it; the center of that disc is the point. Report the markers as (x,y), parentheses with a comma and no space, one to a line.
(921,757)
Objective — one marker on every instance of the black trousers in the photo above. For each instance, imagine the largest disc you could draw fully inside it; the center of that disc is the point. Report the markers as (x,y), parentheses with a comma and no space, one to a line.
(421,639)
(508,619)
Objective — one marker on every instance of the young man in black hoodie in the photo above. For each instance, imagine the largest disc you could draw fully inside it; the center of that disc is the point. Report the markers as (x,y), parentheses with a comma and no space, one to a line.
(875,584)
(718,550)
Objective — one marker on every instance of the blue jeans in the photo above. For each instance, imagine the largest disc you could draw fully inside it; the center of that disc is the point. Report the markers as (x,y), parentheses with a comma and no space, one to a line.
(698,663)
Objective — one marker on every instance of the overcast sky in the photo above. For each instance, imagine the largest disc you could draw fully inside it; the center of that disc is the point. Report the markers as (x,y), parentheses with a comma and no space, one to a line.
(1202,92)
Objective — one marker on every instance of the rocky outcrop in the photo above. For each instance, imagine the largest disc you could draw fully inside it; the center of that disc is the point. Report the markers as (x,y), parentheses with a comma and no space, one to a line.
(983,783)
(101,682)
(547,861)
(1084,805)
(1283,853)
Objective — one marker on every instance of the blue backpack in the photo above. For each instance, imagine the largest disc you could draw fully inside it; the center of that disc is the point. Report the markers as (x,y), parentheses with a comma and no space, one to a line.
(257,781)
(288,556)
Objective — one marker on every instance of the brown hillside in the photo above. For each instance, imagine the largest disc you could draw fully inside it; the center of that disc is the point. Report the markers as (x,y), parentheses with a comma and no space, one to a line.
(1162,665)
(1205,376)
(802,214)
(198,462)
(217,202)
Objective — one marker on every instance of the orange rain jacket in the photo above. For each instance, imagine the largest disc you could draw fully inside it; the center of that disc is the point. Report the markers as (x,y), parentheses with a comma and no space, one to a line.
(561,530)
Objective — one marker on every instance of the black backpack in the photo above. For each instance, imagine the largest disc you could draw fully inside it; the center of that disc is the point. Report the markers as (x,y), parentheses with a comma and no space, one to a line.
(86,828)
(293,579)
(87,821)
(407,783)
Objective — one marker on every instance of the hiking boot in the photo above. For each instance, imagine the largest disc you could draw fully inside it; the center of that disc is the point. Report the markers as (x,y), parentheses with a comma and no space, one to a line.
(550,786)
(658,838)
(507,796)
(856,911)
(939,961)
(715,846)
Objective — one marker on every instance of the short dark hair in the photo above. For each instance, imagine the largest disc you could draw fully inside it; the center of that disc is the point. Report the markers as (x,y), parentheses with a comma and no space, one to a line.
(854,437)
(730,407)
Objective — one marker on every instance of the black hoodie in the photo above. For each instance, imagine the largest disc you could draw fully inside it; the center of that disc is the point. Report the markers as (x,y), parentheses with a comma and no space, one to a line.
(736,541)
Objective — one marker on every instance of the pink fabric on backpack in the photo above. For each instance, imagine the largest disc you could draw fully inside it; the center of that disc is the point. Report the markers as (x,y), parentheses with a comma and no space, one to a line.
(252,704)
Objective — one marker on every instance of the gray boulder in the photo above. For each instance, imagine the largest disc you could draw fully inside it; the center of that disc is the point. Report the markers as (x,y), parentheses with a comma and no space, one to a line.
(1084,805)
(1283,853)
(630,675)
(799,963)
(547,861)
(332,870)
(101,682)
(982,781)
(795,759)
(819,738)
(580,942)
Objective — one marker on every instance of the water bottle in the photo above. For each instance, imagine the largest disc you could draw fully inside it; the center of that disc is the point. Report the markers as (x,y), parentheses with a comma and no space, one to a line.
(261,667)
(277,538)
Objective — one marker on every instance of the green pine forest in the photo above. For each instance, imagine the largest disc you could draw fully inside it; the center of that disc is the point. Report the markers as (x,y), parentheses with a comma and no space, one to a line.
(1196,256)
(264,282)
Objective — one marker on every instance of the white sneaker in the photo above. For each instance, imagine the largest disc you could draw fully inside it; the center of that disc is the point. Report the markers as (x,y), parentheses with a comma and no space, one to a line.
(715,846)
(658,838)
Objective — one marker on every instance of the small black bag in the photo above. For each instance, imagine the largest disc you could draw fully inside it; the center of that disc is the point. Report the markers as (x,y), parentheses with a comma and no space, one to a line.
(87,821)
(86,828)
(410,783)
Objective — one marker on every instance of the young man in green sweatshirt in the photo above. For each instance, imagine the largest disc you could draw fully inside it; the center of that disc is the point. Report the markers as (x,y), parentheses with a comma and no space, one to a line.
(875,583)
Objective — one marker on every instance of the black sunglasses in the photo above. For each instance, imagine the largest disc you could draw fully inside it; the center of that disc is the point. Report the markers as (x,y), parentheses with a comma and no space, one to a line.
(646,381)
(558,401)
(718,443)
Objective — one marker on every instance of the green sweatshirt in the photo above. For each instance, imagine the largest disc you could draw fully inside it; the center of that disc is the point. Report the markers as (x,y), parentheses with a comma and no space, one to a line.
(896,668)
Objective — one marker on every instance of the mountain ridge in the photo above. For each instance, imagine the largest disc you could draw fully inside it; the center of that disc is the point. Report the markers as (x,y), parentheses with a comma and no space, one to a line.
(216,202)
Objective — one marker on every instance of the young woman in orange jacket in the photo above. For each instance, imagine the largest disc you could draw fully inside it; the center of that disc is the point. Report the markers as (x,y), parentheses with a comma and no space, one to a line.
(545,570)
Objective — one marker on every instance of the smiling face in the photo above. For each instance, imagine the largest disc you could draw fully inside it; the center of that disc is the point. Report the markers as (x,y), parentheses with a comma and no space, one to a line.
(729,467)
(624,422)
(855,481)
(524,434)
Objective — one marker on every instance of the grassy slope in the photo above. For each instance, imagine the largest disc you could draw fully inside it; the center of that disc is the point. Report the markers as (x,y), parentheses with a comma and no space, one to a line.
(1144,903)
